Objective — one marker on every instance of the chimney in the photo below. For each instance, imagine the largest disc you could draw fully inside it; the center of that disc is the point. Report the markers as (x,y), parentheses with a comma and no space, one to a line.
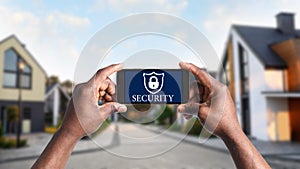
(285,23)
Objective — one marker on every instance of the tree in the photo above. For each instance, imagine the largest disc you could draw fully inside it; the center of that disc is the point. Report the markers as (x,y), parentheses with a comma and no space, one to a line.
(12,113)
(52,80)
(67,85)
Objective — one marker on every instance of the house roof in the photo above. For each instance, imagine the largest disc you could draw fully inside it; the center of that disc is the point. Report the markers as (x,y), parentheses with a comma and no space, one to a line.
(35,61)
(260,39)
(50,89)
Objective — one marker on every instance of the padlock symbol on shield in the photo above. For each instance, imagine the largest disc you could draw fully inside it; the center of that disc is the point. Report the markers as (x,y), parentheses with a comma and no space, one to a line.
(153,82)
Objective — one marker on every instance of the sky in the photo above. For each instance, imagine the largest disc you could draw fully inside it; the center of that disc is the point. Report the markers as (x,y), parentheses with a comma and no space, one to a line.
(56,31)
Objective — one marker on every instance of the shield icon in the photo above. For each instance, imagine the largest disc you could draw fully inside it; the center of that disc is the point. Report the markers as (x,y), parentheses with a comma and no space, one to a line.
(153,82)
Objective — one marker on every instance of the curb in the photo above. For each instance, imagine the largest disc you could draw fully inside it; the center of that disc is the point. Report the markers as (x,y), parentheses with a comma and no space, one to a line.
(30,157)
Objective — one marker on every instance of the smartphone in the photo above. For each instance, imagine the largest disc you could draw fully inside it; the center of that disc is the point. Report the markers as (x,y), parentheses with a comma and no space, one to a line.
(156,86)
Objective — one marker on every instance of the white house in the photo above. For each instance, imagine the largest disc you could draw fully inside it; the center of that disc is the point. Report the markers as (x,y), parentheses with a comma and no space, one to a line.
(261,66)
(56,102)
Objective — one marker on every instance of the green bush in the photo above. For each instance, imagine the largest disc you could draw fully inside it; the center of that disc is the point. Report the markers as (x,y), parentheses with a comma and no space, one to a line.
(48,118)
(12,113)
(1,131)
(167,113)
(196,128)
(2,141)
(11,143)
(23,143)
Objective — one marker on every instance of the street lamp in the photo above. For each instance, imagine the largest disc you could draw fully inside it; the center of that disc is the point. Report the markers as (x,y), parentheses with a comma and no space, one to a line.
(21,66)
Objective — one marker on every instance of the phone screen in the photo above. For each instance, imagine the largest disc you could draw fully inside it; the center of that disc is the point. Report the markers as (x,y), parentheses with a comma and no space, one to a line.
(138,86)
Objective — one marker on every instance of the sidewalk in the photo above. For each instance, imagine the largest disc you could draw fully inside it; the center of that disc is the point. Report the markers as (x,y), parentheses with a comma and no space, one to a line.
(36,144)
(279,150)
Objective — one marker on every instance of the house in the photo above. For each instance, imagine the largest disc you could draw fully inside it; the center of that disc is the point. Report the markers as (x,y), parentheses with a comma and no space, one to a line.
(57,99)
(21,77)
(261,66)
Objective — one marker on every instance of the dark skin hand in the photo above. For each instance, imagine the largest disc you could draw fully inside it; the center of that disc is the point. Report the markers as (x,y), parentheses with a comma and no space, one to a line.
(221,121)
(84,116)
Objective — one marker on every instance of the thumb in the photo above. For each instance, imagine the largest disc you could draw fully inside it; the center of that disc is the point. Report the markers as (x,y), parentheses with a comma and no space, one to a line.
(112,107)
(189,108)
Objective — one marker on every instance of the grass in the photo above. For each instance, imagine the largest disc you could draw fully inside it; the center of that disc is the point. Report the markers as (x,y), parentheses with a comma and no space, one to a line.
(11,143)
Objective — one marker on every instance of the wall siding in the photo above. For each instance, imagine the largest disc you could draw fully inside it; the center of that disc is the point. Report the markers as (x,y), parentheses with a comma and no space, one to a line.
(37,92)
(257,102)
(37,113)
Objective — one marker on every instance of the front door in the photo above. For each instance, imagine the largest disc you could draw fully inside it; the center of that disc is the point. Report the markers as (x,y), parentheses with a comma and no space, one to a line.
(26,123)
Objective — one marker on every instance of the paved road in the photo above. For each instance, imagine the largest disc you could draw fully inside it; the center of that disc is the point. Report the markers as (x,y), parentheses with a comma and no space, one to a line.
(183,156)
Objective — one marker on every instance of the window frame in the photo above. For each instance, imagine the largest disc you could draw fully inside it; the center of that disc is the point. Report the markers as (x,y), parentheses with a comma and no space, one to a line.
(225,72)
(244,64)
(17,72)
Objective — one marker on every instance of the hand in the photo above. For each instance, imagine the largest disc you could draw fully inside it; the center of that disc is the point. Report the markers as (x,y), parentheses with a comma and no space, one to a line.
(84,115)
(210,100)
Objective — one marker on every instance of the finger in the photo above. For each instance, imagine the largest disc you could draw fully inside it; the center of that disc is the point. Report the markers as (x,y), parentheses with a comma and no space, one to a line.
(189,109)
(195,93)
(206,92)
(111,89)
(102,93)
(188,117)
(108,86)
(204,85)
(103,73)
(210,97)
(112,107)
(201,74)
(108,98)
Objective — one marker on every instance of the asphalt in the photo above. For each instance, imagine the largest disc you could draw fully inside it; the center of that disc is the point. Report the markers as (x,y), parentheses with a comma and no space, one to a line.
(280,151)
(287,151)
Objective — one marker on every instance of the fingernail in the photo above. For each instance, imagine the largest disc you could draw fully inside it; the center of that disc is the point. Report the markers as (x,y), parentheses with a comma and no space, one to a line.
(122,108)
(119,66)
(181,63)
(181,109)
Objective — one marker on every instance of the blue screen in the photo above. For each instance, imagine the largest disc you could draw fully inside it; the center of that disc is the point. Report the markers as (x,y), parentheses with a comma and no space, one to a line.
(153,86)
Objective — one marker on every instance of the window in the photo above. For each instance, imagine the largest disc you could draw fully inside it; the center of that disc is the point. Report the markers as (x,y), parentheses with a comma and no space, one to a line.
(26,113)
(13,76)
(225,72)
(26,76)
(244,66)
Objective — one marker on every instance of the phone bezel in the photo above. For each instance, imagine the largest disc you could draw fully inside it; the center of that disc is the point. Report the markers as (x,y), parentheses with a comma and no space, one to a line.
(120,93)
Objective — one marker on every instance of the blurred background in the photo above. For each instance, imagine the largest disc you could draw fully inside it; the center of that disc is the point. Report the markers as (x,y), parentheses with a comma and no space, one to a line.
(257,43)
